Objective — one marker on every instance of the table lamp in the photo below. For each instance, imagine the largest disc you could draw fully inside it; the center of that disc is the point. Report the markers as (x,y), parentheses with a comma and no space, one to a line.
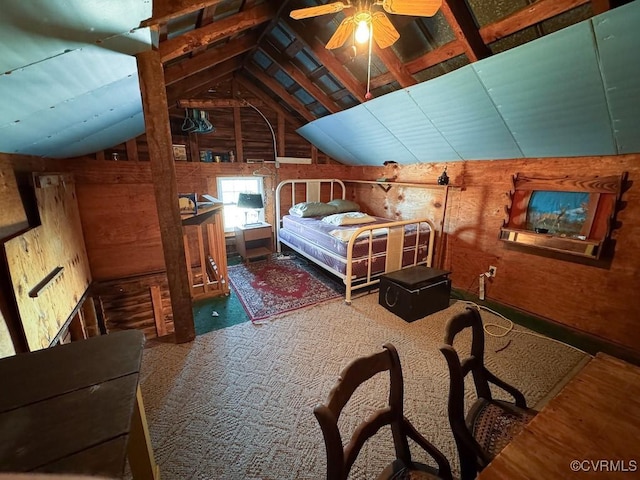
(250,201)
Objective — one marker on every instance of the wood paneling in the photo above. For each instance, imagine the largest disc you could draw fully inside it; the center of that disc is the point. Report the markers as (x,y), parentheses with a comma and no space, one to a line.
(12,215)
(595,298)
(121,228)
(55,246)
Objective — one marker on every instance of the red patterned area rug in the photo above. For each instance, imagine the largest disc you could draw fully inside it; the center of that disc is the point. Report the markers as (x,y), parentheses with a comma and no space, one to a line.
(274,286)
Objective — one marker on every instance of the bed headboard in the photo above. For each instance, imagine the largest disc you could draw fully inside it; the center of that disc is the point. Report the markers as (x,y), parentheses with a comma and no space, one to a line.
(312,187)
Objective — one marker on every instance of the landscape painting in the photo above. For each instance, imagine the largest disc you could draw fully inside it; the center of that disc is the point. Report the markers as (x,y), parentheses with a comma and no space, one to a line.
(561,213)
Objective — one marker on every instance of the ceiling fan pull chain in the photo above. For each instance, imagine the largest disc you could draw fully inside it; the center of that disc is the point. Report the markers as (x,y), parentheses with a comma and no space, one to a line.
(368,95)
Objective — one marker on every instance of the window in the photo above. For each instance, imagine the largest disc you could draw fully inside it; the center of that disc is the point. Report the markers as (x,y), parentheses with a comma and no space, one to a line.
(228,190)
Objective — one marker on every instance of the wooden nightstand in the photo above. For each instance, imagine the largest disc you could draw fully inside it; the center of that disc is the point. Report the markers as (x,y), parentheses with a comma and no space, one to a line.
(254,240)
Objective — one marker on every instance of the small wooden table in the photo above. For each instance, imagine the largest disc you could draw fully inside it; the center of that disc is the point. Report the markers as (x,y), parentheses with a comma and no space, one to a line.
(590,429)
(76,408)
(254,240)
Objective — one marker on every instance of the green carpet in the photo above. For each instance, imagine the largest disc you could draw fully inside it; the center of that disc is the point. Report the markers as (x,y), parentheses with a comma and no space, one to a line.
(229,309)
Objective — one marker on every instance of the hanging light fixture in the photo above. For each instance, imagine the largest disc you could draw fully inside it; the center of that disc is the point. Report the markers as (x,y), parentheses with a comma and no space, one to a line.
(363,21)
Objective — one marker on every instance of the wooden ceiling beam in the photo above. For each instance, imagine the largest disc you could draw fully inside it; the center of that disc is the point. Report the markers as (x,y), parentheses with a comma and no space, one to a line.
(279,90)
(165,10)
(190,41)
(321,71)
(198,81)
(526,17)
(299,77)
(327,59)
(441,54)
(293,49)
(600,6)
(395,66)
(185,68)
(461,20)
(382,80)
(268,101)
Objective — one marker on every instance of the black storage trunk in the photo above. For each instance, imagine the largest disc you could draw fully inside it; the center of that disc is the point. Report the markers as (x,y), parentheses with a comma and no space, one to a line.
(415,292)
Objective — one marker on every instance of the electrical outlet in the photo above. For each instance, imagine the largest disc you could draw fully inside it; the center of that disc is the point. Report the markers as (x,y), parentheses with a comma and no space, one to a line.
(492,271)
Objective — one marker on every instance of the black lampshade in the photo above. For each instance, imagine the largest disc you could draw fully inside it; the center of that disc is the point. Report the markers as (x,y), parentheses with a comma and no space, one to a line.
(250,200)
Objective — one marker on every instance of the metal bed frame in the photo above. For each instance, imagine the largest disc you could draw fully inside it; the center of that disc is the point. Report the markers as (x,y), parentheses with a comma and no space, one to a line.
(395,239)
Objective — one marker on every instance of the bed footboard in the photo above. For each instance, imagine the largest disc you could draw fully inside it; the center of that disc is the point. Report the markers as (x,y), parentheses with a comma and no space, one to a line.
(395,251)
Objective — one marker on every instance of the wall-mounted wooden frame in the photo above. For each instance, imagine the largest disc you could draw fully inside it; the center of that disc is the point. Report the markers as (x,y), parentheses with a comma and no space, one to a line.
(572,215)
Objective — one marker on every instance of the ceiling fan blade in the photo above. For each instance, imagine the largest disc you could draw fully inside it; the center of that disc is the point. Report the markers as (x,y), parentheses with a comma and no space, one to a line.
(384,33)
(333,7)
(414,8)
(344,31)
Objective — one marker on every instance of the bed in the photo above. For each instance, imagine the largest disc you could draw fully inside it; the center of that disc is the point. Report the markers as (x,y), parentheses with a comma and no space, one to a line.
(356,252)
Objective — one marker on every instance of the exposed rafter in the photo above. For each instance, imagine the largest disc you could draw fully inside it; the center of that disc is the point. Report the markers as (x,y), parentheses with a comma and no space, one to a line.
(530,15)
(165,10)
(464,27)
(198,58)
(328,60)
(181,70)
(299,77)
(396,68)
(197,83)
(214,32)
(268,101)
(279,90)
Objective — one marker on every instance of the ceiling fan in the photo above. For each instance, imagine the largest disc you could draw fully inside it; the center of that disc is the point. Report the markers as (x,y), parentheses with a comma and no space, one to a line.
(367,22)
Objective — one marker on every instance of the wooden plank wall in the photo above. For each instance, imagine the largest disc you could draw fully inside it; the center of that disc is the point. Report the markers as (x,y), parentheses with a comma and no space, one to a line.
(12,220)
(598,300)
(54,246)
(117,207)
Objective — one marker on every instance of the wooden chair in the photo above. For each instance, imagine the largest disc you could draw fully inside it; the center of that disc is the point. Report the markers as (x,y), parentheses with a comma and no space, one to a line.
(339,459)
(490,424)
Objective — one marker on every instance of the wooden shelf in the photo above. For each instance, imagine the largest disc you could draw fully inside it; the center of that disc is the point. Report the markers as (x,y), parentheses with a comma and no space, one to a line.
(402,184)
(573,246)
(204,212)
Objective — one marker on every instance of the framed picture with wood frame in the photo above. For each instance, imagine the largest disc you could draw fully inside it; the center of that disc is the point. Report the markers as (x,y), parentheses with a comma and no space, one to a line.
(570,215)
(180,153)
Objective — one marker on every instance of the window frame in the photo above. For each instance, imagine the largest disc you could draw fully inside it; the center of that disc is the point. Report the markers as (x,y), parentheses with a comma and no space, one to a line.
(230,210)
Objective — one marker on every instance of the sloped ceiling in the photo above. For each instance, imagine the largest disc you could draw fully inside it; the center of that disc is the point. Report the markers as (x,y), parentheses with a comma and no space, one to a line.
(572,93)
(69,83)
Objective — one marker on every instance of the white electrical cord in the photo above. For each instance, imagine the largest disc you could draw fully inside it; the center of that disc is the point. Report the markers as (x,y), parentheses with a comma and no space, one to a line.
(502,330)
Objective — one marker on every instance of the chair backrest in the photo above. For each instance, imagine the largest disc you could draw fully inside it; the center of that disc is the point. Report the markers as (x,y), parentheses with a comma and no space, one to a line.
(340,459)
(472,457)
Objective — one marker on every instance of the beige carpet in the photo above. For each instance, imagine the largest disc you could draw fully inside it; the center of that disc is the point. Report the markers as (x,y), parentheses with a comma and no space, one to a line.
(238,403)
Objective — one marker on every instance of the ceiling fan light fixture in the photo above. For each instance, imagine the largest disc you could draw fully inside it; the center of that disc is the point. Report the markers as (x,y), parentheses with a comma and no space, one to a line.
(362,32)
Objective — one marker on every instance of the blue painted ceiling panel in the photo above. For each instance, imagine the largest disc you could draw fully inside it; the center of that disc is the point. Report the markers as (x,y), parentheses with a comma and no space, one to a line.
(619,46)
(543,99)
(88,112)
(45,28)
(98,112)
(129,127)
(314,134)
(405,121)
(550,94)
(358,131)
(463,113)
(77,73)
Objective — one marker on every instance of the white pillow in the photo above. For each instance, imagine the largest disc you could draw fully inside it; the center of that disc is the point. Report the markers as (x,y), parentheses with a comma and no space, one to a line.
(348,218)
